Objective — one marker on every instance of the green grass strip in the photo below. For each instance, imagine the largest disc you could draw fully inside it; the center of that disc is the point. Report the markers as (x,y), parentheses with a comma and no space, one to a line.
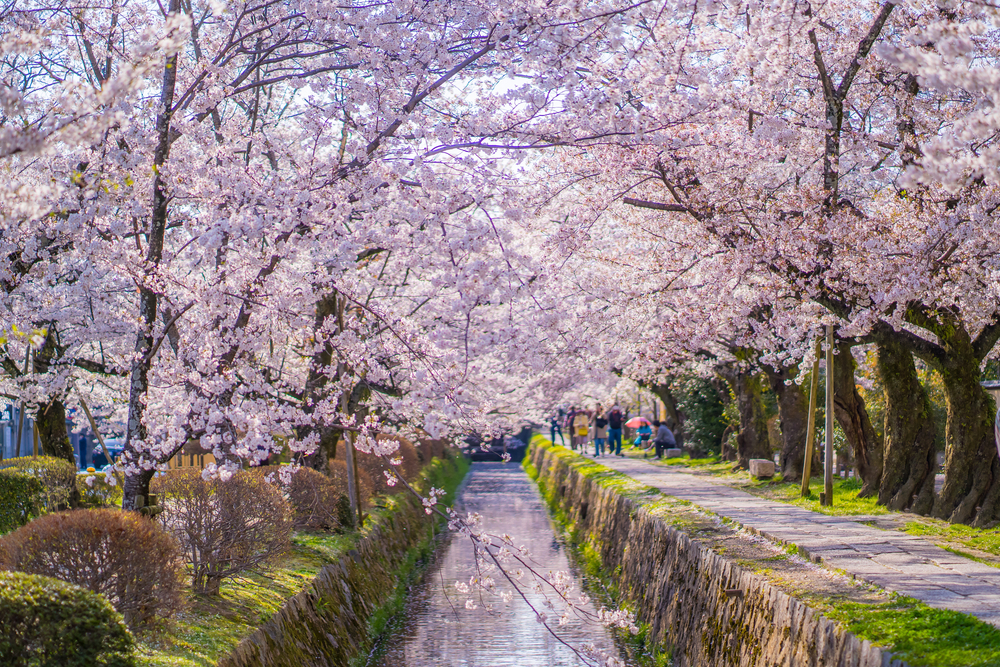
(916,633)
(211,627)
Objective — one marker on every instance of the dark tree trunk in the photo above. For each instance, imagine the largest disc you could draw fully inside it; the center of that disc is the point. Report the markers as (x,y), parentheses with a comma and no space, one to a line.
(326,307)
(793,417)
(51,422)
(971,492)
(849,409)
(752,441)
(908,471)
(136,477)
(675,417)
(50,417)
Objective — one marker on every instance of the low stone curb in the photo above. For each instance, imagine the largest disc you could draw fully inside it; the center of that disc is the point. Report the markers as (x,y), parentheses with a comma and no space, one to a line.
(707,609)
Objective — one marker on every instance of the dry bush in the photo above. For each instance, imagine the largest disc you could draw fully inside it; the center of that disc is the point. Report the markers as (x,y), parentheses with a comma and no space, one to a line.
(226,527)
(121,555)
(312,494)
(409,466)
(373,468)
(338,475)
(431,448)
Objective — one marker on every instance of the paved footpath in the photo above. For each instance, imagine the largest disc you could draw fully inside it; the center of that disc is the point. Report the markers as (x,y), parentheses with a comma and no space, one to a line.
(898,562)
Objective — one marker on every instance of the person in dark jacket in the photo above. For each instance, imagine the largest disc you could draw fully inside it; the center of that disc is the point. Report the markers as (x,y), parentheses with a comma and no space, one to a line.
(664,438)
(555,424)
(615,431)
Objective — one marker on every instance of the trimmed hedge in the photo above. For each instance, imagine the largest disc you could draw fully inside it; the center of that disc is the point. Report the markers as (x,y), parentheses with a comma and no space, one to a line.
(124,556)
(98,489)
(49,623)
(21,498)
(58,478)
(312,494)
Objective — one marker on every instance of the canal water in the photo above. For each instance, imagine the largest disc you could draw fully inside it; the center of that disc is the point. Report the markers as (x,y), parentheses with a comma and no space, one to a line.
(437,629)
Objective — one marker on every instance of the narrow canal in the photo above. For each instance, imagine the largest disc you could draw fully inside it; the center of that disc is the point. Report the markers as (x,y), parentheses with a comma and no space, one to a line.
(438,630)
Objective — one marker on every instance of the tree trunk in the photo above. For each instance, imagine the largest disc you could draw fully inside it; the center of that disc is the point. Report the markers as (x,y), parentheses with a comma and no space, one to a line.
(971,492)
(751,441)
(136,476)
(793,417)
(849,409)
(51,422)
(910,461)
(326,307)
(51,417)
(675,417)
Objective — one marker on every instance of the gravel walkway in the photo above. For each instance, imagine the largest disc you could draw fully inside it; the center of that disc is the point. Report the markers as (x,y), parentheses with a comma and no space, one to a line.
(898,562)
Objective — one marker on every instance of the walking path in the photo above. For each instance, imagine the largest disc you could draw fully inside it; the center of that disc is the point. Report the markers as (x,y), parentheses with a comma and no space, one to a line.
(898,562)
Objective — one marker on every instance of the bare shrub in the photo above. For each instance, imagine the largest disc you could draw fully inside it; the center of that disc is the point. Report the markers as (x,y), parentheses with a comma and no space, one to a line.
(338,475)
(226,527)
(312,494)
(375,466)
(121,555)
(430,449)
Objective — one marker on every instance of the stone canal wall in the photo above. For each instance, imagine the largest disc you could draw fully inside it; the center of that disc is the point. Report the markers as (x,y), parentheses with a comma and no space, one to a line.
(327,623)
(705,608)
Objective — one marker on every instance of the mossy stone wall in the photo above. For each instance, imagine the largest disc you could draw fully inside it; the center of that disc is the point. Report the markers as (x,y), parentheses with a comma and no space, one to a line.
(326,624)
(705,608)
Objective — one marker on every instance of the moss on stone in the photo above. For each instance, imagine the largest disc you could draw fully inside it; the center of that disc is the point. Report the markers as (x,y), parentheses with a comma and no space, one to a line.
(211,628)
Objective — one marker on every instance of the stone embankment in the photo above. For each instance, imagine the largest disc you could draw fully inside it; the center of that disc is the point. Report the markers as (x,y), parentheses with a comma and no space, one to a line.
(327,623)
(705,608)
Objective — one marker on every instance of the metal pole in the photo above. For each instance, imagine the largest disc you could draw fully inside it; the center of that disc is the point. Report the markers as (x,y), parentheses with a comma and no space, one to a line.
(828,459)
(811,428)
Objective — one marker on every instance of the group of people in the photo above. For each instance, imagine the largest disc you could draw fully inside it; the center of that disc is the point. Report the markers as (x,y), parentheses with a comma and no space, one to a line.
(605,428)
(600,427)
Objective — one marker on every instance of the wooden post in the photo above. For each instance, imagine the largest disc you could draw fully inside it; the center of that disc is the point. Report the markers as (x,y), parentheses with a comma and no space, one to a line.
(100,439)
(352,483)
(811,428)
(353,488)
(828,459)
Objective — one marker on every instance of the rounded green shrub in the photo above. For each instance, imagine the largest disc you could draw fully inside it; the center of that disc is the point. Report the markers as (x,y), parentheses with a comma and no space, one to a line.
(58,478)
(129,559)
(49,623)
(21,498)
(98,489)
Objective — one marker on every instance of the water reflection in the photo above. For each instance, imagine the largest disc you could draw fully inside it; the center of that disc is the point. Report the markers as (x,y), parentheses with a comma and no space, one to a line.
(439,630)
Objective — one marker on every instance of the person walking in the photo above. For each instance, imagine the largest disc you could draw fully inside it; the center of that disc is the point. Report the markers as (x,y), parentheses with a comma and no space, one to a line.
(600,425)
(568,425)
(664,438)
(615,431)
(581,428)
(555,426)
